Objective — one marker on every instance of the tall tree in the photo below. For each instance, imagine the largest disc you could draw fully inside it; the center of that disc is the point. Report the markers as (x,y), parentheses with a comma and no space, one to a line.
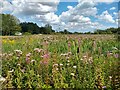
(10,24)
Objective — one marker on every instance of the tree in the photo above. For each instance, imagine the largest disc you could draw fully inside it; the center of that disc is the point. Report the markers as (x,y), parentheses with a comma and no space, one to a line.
(47,29)
(10,24)
(30,27)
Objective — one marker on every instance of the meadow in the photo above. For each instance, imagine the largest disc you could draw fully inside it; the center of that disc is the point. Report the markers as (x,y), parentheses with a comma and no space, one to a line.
(60,61)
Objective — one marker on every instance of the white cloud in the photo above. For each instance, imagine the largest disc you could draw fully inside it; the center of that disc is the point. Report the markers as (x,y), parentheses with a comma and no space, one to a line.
(105,16)
(5,6)
(50,18)
(26,7)
(113,8)
(69,7)
(43,12)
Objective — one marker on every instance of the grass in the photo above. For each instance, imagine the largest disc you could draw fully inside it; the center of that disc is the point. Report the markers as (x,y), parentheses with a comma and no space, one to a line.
(60,61)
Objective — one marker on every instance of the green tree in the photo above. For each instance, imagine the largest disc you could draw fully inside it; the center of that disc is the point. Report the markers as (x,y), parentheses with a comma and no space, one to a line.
(10,24)
(30,27)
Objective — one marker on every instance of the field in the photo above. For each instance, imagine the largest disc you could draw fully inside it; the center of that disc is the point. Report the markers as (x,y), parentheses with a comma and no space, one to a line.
(60,61)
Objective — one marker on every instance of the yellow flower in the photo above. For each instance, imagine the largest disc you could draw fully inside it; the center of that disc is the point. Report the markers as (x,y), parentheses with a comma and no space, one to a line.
(4,41)
(12,41)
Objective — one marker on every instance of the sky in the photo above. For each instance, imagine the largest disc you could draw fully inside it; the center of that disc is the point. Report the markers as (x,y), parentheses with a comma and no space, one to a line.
(73,15)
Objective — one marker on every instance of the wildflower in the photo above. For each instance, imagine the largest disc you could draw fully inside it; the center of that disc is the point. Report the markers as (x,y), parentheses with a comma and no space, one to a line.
(64,54)
(84,56)
(68,64)
(45,56)
(38,50)
(57,69)
(11,71)
(55,65)
(28,55)
(61,64)
(11,54)
(68,61)
(4,41)
(32,60)
(69,53)
(18,64)
(75,67)
(69,44)
(110,77)
(27,59)
(116,55)
(90,60)
(18,52)
(23,70)
(17,57)
(81,59)
(2,79)
(72,74)
(12,41)
(104,87)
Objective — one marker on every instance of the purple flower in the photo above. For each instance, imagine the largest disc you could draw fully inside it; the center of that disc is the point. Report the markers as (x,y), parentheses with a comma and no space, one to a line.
(116,55)
(104,87)
(69,44)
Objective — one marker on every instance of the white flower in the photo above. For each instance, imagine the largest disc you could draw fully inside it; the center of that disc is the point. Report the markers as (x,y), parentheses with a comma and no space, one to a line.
(2,79)
(17,57)
(81,59)
(32,60)
(110,77)
(64,54)
(11,54)
(72,74)
(69,53)
(11,71)
(55,65)
(84,56)
(18,64)
(18,51)
(68,61)
(57,69)
(36,49)
(61,64)
(28,55)
(75,67)
(68,64)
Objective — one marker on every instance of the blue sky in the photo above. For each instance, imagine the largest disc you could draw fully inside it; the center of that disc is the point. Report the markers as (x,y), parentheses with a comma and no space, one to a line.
(81,16)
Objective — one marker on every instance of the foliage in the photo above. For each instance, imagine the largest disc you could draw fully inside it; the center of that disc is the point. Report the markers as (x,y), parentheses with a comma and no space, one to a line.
(33,28)
(108,31)
(10,24)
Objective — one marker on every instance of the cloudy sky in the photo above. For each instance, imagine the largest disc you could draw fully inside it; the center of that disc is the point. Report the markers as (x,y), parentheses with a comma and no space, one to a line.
(73,15)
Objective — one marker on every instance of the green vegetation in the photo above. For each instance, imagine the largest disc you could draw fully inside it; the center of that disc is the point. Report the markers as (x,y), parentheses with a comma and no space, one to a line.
(10,24)
(60,61)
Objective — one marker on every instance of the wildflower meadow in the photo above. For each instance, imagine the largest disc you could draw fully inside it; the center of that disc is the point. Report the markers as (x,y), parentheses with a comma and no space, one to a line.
(60,61)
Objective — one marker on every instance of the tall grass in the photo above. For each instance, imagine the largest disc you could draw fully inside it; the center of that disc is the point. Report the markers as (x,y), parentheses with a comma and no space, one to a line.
(63,61)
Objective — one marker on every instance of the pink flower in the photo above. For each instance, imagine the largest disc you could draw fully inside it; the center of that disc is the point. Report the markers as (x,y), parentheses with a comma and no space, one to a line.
(28,58)
(45,56)
(45,59)
(28,55)
(69,44)
(116,55)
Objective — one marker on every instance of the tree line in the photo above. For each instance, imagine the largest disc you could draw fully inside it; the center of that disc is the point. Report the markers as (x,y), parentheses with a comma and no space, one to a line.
(11,25)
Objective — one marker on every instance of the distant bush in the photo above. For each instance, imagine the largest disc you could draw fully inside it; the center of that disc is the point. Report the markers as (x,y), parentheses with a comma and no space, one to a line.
(27,33)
